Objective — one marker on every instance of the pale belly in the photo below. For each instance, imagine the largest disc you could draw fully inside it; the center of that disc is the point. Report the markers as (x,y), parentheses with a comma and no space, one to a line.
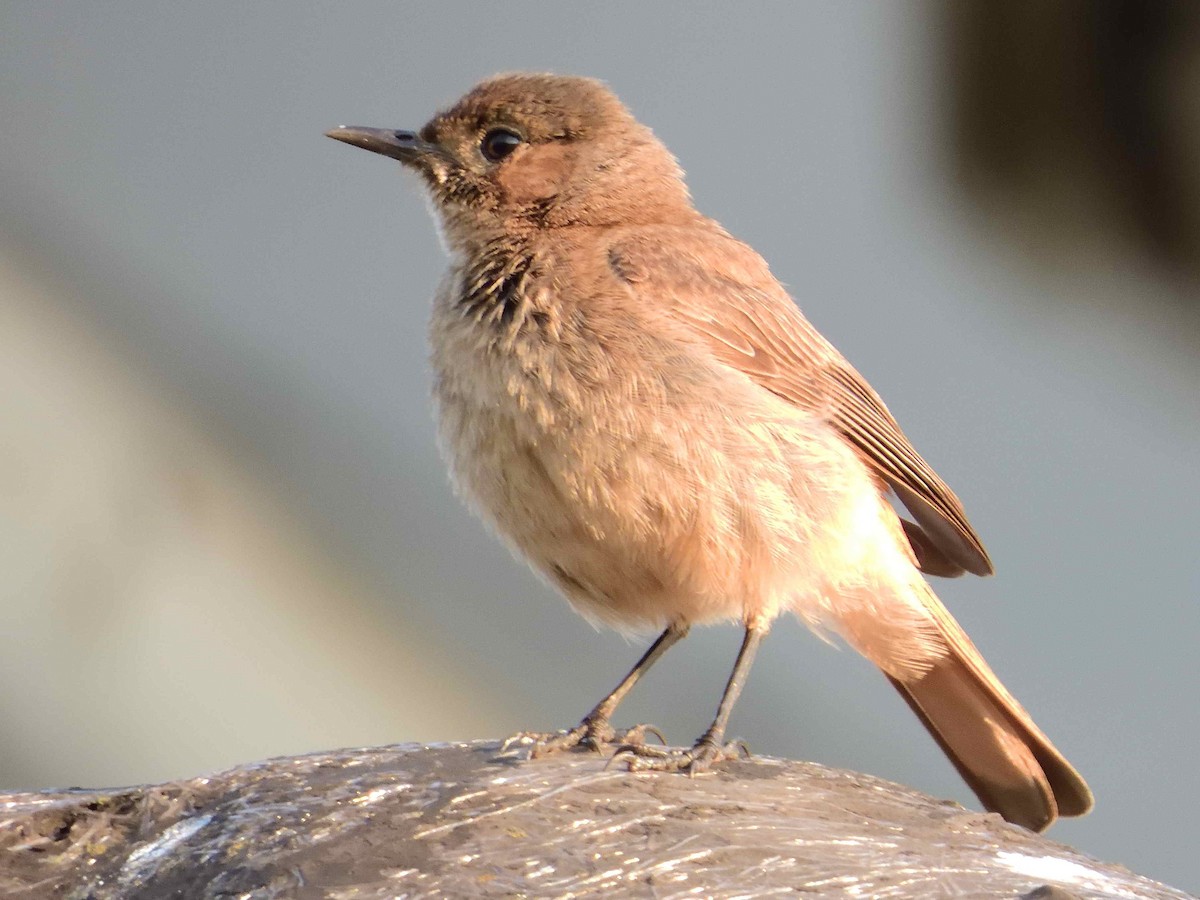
(699,498)
(642,521)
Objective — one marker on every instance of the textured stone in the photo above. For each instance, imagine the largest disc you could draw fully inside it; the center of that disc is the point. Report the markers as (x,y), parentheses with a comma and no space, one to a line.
(467,820)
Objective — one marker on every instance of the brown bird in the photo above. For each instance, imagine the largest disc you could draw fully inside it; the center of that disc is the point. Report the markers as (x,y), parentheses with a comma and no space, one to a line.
(637,406)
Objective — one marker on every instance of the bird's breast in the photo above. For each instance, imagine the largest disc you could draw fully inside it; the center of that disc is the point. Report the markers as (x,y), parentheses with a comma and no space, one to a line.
(647,481)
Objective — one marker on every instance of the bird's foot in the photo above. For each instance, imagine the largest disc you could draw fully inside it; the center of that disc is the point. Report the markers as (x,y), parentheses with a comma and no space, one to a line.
(700,758)
(590,734)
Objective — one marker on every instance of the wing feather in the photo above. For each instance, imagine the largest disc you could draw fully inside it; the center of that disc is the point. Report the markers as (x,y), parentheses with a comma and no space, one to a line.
(747,321)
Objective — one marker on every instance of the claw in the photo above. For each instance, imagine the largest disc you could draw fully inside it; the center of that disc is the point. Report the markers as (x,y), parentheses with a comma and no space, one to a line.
(692,761)
(596,736)
(547,744)
(520,737)
(637,735)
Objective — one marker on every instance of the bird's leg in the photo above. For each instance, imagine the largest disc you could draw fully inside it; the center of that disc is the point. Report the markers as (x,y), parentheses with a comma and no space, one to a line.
(711,747)
(595,730)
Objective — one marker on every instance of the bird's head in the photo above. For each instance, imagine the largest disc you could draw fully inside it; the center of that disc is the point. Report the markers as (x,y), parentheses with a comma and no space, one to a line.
(527,151)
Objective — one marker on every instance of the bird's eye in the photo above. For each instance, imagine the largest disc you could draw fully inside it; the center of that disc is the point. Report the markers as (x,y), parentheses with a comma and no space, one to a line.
(498,143)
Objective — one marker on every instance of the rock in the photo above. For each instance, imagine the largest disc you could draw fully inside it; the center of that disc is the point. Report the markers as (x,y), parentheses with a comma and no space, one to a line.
(467,820)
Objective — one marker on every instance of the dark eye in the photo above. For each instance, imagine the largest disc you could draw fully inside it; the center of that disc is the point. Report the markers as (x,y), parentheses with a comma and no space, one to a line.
(498,143)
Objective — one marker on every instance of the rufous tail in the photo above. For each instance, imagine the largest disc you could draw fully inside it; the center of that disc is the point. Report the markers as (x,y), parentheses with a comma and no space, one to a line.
(1010,765)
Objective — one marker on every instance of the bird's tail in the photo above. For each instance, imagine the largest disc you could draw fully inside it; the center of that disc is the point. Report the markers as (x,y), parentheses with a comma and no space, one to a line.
(1010,765)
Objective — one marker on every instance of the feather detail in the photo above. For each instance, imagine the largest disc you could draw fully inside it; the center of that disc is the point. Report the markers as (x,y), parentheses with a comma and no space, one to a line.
(747,321)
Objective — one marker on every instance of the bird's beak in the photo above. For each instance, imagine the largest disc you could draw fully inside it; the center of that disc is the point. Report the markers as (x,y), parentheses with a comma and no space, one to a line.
(405,146)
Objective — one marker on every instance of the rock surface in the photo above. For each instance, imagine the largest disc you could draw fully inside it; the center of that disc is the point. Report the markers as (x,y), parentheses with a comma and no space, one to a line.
(468,820)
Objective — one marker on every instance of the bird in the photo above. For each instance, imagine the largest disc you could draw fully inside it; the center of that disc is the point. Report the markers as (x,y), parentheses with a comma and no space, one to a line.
(636,406)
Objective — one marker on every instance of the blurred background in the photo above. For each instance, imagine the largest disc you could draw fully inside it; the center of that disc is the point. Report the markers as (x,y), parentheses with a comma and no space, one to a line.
(225,532)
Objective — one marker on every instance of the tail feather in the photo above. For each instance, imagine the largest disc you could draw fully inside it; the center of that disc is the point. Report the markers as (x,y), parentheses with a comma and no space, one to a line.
(998,750)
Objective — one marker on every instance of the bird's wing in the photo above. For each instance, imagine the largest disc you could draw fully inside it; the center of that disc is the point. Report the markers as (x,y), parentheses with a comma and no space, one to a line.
(748,322)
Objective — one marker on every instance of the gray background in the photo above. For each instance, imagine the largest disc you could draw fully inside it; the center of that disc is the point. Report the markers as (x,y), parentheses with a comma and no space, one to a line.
(165,168)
